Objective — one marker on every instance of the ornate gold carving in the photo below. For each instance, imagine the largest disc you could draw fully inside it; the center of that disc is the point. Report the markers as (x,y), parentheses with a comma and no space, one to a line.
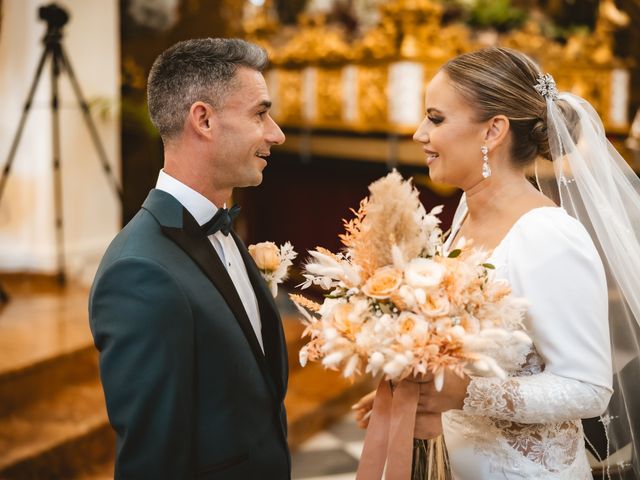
(290,96)
(531,39)
(260,24)
(413,30)
(314,42)
(594,84)
(610,19)
(597,47)
(378,43)
(329,94)
(372,95)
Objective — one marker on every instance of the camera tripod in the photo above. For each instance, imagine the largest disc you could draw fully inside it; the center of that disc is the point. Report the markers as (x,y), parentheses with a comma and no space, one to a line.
(56,18)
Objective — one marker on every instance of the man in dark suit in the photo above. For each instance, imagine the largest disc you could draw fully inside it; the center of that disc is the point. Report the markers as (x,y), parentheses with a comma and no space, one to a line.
(192,353)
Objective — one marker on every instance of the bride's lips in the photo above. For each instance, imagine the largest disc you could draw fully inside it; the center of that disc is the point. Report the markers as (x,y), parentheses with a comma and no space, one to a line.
(431,156)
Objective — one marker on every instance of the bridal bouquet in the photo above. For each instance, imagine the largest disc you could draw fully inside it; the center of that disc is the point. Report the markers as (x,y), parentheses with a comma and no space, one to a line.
(397,304)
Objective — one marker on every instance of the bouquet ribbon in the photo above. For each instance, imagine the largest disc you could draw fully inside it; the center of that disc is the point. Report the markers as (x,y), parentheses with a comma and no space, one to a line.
(389,437)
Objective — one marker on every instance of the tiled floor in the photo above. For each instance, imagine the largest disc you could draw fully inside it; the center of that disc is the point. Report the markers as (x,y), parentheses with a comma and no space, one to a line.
(330,455)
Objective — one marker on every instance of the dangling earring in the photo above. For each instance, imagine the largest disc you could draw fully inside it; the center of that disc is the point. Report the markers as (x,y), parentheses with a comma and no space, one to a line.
(486,169)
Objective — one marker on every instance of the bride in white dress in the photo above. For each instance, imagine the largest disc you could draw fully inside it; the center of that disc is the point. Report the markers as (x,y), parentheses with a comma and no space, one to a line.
(527,426)
(489,115)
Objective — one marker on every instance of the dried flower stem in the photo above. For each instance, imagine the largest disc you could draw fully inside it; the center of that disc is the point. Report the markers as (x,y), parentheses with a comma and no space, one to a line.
(305,302)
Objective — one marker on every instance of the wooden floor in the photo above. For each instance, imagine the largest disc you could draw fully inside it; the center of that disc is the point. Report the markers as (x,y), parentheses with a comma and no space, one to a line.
(53,422)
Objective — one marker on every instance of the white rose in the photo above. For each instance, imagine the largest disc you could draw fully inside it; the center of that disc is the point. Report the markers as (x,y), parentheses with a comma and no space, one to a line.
(408,296)
(424,273)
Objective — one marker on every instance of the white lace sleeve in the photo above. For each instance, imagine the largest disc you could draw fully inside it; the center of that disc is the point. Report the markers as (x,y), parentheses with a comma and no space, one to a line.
(540,398)
(549,259)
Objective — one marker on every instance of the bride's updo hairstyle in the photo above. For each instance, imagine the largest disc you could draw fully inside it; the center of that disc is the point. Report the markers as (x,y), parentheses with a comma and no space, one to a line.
(500,81)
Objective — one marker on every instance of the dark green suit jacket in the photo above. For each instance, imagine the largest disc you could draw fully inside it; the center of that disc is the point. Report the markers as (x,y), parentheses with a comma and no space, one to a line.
(188,390)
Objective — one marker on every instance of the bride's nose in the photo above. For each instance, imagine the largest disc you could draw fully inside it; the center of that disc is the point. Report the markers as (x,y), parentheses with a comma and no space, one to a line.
(421,135)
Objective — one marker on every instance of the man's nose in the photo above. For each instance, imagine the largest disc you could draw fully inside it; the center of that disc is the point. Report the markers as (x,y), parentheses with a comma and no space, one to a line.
(276,136)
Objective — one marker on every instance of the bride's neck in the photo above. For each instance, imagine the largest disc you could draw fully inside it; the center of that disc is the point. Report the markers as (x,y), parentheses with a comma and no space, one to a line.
(493,195)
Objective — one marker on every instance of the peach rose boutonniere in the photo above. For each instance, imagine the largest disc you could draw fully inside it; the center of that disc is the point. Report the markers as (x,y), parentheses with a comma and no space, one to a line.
(273,262)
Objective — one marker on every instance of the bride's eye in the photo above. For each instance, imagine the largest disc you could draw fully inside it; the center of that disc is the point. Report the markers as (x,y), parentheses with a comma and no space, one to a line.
(435,120)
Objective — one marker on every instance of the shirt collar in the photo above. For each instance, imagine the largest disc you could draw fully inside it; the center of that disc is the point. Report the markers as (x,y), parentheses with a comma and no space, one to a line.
(199,206)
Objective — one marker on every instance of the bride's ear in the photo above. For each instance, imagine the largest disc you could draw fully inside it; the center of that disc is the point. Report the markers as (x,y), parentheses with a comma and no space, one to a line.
(497,131)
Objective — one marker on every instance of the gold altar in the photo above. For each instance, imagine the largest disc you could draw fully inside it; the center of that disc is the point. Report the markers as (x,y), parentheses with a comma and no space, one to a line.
(322,80)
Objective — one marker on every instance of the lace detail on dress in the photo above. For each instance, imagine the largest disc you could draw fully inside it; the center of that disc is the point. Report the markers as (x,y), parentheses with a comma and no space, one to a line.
(553,446)
(532,415)
(529,397)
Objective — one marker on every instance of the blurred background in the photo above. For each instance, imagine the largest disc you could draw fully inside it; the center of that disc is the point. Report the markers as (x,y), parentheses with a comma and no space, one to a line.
(347,80)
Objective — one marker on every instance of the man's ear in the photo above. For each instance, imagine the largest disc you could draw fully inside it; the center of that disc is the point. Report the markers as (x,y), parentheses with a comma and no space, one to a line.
(201,118)
(497,131)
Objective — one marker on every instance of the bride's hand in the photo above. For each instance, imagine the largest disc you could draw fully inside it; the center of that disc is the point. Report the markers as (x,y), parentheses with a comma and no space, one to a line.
(363,409)
(428,424)
(451,397)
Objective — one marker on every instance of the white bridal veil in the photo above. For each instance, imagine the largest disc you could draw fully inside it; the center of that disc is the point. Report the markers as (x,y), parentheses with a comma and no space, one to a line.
(595,184)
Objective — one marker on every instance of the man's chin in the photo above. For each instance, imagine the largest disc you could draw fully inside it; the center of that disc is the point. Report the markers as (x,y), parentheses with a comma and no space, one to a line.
(254,180)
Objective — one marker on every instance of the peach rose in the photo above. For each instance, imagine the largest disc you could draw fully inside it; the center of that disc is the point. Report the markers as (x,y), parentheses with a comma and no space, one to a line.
(341,314)
(435,305)
(266,256)
(407,322)
(383,282)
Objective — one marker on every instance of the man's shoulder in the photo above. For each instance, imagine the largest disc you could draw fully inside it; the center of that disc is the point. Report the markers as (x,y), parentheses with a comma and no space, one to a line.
(138,232)
(141,238)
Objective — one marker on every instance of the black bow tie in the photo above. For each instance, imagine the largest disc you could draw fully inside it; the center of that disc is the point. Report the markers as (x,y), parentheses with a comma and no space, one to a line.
(222,221)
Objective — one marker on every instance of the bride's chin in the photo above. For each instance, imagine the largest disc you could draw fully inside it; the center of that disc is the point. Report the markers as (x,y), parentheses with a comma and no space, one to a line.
(433,175)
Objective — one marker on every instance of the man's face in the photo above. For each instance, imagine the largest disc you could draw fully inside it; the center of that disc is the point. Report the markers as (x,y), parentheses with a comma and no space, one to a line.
(245,132)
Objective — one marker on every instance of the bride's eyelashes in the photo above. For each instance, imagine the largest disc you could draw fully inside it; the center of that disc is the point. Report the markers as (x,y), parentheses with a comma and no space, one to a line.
(435,120)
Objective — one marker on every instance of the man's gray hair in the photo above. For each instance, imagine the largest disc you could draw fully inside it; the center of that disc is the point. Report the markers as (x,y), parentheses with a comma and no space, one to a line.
(194,70)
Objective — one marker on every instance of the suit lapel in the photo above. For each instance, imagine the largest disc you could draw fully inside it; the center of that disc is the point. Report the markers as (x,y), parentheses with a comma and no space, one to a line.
(272,332)
(178,224)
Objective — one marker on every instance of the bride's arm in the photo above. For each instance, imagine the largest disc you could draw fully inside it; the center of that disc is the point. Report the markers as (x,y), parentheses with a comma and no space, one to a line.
(556,267)
(541,398)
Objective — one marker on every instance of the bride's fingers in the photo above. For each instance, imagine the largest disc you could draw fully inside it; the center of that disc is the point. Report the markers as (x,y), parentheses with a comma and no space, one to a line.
(363,413)
(451,396)
(365,402)
(362,418)
(363,409)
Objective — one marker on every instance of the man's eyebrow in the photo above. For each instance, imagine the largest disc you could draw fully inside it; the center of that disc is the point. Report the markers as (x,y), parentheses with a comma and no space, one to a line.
(265,104)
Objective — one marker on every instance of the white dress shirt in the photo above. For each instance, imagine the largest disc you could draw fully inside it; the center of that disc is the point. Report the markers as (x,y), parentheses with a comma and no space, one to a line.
(203,210)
